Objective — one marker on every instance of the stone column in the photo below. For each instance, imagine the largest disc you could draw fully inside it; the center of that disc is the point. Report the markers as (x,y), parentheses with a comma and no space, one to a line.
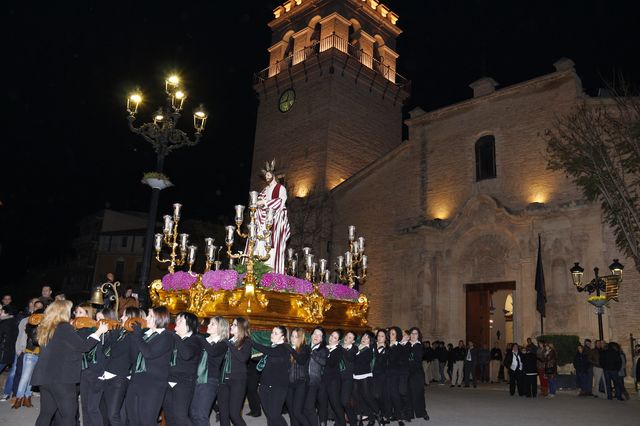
(276,54)
(301,40)
(389,57)
(366,46)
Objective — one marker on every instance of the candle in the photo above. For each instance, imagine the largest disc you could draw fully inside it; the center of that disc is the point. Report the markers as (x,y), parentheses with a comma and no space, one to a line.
(348,259)
(184,239)
(352,232)
(216,265)
(289,254)
(231,262)
(211,253)
(229,237)
(308,259)
(253,199)
(323,265)
(327,276)
(270,217)
(208,242)
(361,244)
(158,242)
(354,247)
(314,267)
(306,251)
(364,261)
(176,211)
(294,266)
(340,263)
(239,213)
(253,231)
(168,224)
(192,254)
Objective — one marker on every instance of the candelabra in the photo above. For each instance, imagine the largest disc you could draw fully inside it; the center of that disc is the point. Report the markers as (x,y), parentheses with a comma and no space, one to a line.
(314,305)
(352,267)
(97,297)
(253,237)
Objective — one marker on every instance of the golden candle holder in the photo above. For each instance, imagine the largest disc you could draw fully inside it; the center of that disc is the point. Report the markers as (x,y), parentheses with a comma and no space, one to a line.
(353,265)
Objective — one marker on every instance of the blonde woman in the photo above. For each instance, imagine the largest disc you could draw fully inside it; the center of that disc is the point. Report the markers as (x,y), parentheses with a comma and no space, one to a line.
(59,366)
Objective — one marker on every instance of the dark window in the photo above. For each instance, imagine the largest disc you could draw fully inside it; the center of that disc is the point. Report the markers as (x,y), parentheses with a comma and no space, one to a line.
(119,272)
(486,158)
(124,241)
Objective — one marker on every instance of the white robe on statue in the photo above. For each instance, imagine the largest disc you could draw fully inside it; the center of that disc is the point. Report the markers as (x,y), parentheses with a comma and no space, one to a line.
(275,197)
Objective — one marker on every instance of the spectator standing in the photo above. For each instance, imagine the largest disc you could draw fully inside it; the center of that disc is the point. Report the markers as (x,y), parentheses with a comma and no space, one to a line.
(459,354)
(513,364)
(595,358)
(470,364)
(8,336)
(551,368)
(441,355)
(45,295)
(484,357)
(540,365)
(611,364)
(427,359)
(623,373)
(588,382)
(496,362)
(530,373)
(7,300)
(450,362)
(127,301)
(581,364)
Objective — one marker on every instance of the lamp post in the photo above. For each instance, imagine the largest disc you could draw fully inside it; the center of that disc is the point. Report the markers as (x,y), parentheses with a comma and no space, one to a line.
(608,284)
(164,137)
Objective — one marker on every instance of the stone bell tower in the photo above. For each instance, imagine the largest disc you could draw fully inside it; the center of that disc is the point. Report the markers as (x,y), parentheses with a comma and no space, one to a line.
(330,100)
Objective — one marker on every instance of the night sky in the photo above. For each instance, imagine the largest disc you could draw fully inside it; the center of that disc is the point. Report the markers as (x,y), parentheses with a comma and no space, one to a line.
(69,66)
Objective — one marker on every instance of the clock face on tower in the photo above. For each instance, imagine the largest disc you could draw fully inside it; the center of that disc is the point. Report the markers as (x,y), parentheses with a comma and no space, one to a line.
(286,101)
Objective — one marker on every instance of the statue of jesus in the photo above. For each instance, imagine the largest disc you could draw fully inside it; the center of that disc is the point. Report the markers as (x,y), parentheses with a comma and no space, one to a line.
(273,196)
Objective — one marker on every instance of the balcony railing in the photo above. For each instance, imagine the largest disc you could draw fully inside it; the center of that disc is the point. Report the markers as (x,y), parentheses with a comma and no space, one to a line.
(332,42)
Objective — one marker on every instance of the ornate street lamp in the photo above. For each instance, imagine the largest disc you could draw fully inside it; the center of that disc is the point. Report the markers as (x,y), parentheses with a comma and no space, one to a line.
(609,284)
(164,137)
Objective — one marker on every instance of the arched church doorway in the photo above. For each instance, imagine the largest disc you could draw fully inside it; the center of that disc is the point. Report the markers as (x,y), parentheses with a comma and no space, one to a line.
(487,321)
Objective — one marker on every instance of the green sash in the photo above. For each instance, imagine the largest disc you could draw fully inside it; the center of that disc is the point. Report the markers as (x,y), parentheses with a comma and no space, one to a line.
(90,356)
(203,368)
(141,366)
(107,351)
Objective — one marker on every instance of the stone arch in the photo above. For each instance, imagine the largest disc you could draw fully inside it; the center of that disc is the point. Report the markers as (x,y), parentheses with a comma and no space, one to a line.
(354,32)
(287,38)
(314,24)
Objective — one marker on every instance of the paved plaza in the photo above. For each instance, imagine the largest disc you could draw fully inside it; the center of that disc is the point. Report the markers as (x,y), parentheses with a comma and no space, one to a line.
(488,405)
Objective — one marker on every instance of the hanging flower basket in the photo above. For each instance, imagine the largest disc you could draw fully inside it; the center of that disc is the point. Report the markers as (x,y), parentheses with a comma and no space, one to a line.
(598,301)
(156,180)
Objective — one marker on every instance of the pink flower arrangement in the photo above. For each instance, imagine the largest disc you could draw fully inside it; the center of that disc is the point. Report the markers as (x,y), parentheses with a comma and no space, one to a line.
(338,291)
(226,279)
(178,281)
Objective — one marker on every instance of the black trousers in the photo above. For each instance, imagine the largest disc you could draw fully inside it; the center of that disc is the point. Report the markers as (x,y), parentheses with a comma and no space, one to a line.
(346,399)
(272,399)
(316,396)
(516,379)
(397,386)
(114,391)
(381,395)
(59,400)
(332,386)
(90,397)
(253,380)
(204,396)
(416,395)
(469,370)
(176,404)
(296,395)
(144,401)
(230,399)
(531,385)
(366,403)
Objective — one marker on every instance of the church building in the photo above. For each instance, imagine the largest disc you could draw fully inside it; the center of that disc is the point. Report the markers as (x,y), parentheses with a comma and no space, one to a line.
(451,215)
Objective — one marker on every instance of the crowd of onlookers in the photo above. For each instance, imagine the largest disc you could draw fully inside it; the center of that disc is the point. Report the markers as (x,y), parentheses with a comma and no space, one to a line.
(600,368)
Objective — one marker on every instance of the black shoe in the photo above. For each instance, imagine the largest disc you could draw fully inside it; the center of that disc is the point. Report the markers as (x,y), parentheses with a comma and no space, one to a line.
(426,417)
(254,414)
(452,386)
(459,386)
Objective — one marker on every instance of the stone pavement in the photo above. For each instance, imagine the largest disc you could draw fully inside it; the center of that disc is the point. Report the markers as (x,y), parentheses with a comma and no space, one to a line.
(488,405)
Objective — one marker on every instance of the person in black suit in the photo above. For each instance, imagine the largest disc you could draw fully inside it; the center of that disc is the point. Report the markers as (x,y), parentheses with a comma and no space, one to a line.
(315,391)
(470,364)
(59,365)
(529,372)
(298,377)
(346,377)
(233,380)
(398,373)
(381,361)
(117,351)
(150,370)
(363,380)
(274,380)
(331,375)
(416,375)
(513,364)
(214,348)
(182,370)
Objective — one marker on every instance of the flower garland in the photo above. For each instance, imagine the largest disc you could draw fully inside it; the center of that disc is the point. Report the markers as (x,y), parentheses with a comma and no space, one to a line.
(178,281)
(220,280)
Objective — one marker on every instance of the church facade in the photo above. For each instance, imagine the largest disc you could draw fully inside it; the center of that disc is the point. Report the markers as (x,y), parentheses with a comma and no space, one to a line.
(452,215)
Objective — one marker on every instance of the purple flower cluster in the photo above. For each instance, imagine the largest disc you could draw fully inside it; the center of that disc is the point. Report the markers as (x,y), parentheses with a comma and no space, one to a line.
(338,291)
(224,279)
(285,283)
(178,281)
(289,284)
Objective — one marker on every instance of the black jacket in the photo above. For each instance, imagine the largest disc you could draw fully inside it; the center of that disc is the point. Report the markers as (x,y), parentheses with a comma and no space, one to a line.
(317,361)
(299,368)
(381,356)
(187,355)
(215,355)
(612,361)
(529,363)
(117,350)
(428,354)
(496,354)
(441,353)
(415,356)
(363,361)
(157,355)
(581,362)
(60,360)
(508,360)
(335,361)
(276,368)
(94,360)
(239,358)
(349,357)
(8,336)
(459,354)
(474,355)
(398,361)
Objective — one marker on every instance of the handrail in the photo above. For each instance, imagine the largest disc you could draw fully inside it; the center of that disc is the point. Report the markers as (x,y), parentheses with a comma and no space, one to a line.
(332,42)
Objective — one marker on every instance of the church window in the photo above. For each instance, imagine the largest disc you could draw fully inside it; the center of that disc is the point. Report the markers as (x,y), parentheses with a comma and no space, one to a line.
(486,158)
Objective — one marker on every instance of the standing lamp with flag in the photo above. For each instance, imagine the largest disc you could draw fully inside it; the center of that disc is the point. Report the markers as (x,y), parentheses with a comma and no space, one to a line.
(541,293)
